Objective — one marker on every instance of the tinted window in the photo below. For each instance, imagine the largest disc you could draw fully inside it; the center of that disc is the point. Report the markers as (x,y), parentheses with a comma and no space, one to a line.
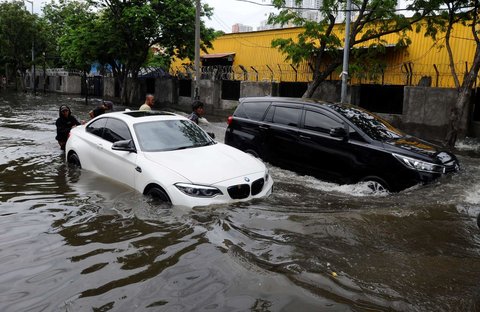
(374,126)
(286,116)
(116,130)
(97,127)
(255,110)
(319,122)
(169,135)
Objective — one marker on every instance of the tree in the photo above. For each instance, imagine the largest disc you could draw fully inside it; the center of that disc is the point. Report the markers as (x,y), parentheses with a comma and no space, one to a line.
(451,13)
(17,32)
(60,18)
(319,43)
(132,28)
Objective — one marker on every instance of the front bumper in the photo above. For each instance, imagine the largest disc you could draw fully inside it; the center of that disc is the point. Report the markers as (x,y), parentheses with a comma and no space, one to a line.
(233,190)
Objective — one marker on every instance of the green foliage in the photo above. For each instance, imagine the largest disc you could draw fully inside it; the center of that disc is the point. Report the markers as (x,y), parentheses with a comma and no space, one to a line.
(17,33)
(122,33)
(158,59)
(78,43)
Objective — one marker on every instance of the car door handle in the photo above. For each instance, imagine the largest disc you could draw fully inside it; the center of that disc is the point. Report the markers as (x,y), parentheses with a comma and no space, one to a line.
(264,127)
(306,137)
(138,169)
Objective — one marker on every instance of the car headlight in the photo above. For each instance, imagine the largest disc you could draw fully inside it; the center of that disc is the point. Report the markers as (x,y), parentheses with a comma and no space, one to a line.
(198,190)
(419,165)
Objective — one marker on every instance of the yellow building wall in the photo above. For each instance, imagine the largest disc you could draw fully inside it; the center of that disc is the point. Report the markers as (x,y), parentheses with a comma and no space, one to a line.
(423,57)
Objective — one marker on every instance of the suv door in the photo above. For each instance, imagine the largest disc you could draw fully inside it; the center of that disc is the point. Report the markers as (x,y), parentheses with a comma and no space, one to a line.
(325,154)
(281,134)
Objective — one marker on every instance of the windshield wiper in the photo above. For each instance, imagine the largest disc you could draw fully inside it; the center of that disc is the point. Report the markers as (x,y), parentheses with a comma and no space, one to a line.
(182,147)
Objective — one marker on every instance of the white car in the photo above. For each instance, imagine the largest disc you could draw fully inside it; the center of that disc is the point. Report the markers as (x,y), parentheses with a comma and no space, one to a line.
(168,157)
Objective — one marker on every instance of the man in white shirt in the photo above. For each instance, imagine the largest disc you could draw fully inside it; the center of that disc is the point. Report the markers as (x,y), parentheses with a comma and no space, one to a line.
(149,100)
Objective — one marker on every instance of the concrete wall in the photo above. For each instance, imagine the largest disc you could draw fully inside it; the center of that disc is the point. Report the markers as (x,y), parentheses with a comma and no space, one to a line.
(330,91)
(426,111)
(108,88)
(72,84)
(60,84)
(166,91)
(210,92)
(251,89)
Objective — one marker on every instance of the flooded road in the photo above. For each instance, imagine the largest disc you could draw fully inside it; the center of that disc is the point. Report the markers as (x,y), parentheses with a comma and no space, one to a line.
(73,241)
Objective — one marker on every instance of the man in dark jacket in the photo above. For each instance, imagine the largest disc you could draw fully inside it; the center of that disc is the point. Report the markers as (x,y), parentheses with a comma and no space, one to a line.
(64,123)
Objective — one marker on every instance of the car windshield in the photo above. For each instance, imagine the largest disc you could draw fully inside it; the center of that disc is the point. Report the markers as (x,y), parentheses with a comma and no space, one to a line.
(167,135)
(374,126)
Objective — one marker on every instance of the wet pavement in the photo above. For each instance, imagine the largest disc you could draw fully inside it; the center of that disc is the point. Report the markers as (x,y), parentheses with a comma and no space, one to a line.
(71,240)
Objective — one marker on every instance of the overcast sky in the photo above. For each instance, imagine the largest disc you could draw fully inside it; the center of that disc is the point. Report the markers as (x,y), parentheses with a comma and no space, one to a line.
(225,14)
(229,12)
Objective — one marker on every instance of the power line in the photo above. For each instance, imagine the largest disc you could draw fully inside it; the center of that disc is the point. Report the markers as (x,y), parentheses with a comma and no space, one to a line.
(344,10)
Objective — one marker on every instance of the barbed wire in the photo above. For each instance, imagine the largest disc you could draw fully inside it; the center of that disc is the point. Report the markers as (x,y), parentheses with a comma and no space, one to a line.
(410,73)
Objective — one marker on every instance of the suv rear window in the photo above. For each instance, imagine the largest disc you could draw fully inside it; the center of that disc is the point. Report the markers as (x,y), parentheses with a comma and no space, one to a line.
(252,110)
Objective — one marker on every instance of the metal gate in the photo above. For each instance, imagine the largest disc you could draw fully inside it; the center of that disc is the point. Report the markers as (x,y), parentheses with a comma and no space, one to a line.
(382,98)
(293,89)
(93,86)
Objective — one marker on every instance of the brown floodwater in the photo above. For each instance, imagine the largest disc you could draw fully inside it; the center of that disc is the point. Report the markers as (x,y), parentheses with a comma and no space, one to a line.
(71,240)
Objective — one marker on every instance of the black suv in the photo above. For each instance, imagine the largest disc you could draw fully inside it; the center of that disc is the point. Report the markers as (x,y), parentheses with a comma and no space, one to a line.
(335,142)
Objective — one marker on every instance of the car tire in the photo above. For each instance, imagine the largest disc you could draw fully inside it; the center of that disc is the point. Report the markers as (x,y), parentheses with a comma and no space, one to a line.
(157,193)
(376,184)
(74,160)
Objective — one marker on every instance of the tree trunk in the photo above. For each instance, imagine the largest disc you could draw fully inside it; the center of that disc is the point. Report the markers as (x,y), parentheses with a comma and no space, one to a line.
(21,81)
(459,118)
(312,87)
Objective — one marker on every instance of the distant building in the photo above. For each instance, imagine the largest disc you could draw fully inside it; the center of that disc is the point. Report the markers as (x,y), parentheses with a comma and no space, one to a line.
(238,28)
(308,9)
(265,26)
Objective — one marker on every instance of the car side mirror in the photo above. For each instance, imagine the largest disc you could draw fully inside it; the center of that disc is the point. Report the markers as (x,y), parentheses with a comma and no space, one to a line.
(339,132)
(124,145)
(211,135)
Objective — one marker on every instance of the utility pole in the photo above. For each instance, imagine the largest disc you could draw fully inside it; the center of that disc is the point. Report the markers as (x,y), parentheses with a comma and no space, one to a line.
(197,49)
(346,51)
(33,55)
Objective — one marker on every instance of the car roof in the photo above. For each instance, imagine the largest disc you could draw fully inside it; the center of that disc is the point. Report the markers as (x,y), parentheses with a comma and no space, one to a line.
(284,99)
(296,101)
(136,116)
(290,100)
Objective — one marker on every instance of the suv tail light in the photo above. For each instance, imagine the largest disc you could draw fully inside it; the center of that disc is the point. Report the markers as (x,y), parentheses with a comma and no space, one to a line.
(229,120)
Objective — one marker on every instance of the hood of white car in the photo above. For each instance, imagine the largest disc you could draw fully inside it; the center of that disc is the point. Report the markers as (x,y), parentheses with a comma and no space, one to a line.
(208,164)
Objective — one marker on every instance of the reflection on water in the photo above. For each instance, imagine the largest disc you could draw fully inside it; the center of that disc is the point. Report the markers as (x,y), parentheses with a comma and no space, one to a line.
(73,241)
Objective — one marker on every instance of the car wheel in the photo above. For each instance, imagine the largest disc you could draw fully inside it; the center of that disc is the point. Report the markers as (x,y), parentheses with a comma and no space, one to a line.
(376,184)
(73,160)
(158,193)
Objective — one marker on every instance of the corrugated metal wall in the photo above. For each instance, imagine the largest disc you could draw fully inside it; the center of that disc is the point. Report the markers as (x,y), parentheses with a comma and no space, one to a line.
(255,59)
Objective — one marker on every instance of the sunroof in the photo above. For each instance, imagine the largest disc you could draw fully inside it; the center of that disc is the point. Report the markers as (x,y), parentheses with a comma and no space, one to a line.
(148,113)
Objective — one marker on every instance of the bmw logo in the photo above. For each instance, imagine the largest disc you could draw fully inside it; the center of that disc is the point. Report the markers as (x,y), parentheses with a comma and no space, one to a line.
(246,179)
